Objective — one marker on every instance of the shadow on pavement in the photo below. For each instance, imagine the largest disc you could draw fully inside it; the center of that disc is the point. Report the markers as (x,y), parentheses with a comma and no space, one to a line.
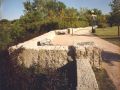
(109,56)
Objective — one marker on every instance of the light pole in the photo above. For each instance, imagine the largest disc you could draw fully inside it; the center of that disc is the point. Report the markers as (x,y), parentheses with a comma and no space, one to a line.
(93,21)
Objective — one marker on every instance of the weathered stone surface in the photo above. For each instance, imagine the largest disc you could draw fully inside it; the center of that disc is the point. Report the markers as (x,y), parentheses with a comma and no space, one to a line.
(85,76)
(54,57)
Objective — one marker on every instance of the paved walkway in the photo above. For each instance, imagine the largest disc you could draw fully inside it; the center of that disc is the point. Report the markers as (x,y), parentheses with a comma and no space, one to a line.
(110,55)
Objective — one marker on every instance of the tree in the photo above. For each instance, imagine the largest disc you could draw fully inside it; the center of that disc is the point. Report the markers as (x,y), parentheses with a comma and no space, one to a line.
(83,13)
(97,11)
(5,37)
(115,14)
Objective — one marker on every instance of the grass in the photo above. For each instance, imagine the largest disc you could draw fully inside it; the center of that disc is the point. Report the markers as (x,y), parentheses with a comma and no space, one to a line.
(109,33)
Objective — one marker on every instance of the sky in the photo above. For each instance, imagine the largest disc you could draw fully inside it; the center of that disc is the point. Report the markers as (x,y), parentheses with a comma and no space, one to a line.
(13,9)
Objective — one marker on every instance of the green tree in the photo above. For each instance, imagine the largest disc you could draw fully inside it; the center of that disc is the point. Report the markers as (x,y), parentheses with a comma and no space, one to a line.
(115,14)
(5,37)
(102,21)
(16,31)
(97,11)
(83,12)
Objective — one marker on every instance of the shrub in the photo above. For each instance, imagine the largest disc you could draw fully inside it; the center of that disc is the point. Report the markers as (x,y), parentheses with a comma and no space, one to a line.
(49,26)
(5,39)
(83,23)
(102,25)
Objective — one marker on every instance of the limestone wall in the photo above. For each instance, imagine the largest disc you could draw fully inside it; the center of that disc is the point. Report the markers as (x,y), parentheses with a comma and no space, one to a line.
(64,58)
(56,56)
(51,58)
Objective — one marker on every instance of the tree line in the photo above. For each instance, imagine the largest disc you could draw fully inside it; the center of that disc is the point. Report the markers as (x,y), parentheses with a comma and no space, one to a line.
(41,16)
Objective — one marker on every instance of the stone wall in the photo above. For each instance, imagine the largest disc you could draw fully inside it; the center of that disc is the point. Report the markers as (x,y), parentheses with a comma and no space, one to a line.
(52,58)
(56,56)
(73,60)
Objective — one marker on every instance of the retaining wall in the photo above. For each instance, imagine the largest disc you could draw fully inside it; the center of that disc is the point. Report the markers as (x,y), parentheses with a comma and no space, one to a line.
(57,55)
(60,57)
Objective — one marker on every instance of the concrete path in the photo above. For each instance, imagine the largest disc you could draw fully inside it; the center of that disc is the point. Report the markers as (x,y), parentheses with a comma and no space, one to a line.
(110,55)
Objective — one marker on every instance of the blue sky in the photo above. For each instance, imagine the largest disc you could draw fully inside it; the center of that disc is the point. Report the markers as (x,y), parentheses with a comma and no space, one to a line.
(13,9)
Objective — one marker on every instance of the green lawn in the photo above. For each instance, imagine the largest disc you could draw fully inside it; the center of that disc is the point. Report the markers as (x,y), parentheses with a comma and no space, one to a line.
(110,34)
